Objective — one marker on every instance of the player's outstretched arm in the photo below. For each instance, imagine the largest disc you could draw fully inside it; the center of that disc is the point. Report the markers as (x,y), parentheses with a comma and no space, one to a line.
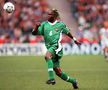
(35,30)
(74,39)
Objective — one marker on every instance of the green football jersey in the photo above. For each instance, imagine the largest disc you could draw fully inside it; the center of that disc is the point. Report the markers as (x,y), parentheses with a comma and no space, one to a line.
(52,32)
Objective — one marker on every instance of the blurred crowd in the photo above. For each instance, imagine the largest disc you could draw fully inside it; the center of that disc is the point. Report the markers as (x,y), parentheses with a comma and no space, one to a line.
(17,27)
(91,17)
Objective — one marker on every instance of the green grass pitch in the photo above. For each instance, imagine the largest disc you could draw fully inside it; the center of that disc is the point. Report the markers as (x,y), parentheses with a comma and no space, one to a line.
(30,73)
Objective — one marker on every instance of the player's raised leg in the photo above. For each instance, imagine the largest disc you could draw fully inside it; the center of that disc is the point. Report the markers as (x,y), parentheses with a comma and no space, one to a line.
(48,58)
(63,75)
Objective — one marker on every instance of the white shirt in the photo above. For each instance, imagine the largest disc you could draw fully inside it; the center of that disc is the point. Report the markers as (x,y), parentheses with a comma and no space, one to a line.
(104,36)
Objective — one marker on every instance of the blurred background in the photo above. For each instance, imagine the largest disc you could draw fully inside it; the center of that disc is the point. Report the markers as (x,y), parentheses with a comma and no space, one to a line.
(85,18)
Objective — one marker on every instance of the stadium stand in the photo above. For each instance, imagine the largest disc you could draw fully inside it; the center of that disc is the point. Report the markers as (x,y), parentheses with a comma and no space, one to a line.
(90,16)
(17,27)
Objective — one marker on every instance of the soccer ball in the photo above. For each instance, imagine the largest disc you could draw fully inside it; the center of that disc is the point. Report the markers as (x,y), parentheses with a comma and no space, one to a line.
(9,7)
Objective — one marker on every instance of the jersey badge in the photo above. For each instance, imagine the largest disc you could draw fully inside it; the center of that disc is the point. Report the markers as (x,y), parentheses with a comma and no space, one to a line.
(56,29)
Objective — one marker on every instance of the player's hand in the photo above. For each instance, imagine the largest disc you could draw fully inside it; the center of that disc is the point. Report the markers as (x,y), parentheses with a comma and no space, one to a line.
(78,43)
(37,24)
(35,29)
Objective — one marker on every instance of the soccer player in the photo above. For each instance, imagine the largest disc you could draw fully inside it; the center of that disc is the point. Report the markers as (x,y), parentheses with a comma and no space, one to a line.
(52,30)
(104,39)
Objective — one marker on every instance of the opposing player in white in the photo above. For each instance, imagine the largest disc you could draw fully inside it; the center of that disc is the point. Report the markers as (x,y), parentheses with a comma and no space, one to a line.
(104,39)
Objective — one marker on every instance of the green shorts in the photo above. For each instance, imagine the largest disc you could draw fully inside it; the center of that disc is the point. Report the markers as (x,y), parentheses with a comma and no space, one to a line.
(56,56)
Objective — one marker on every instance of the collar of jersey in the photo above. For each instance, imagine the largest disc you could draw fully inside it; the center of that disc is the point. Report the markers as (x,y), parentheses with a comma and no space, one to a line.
(53,22)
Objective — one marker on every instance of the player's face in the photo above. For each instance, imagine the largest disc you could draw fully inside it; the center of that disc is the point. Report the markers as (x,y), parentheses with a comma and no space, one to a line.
(51,16)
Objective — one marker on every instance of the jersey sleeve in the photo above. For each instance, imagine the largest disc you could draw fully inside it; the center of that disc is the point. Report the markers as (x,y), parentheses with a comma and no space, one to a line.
(41,29)
(65,29)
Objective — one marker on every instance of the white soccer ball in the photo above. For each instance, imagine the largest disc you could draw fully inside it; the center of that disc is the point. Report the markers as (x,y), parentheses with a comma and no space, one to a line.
(9,7)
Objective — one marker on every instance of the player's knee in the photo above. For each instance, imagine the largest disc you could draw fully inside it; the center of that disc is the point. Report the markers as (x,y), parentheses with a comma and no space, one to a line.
(47,57)
(58,71)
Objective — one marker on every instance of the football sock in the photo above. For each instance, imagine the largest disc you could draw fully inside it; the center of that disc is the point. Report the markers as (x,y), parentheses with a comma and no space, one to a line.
(67,78)
(50,69)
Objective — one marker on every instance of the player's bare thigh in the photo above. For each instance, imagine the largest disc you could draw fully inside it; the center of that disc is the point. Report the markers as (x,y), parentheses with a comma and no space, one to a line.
(48,55)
